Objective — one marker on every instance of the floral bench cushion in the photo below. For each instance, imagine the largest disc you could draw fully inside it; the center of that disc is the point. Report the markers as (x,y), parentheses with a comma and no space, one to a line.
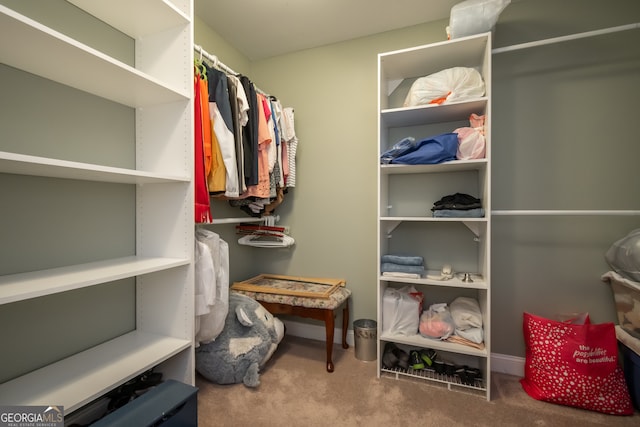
(334,301)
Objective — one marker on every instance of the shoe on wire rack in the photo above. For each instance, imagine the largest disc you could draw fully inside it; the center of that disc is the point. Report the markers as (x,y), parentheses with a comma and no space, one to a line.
(415,361)
(389,360)
(403,358)
(428,356)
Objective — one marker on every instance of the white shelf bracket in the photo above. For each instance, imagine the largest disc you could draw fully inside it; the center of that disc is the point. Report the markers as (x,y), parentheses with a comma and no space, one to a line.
(392,85)
(475,229)
(392,226)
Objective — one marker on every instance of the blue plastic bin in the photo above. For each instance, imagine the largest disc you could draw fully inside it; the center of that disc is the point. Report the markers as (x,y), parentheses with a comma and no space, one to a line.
(631,363)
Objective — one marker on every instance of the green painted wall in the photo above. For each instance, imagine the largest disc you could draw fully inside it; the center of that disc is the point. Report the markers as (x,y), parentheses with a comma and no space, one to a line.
(563,138)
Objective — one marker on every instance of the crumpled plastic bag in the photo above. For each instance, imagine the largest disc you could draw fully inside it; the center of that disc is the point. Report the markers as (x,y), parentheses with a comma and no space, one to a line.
(436,322)
(401,310)
(448,85)
(474,17)
(624,256)
(471,141)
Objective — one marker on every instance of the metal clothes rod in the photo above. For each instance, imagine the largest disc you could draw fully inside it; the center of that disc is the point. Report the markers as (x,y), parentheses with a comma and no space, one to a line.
(221,66)
(566,38)
(567,212)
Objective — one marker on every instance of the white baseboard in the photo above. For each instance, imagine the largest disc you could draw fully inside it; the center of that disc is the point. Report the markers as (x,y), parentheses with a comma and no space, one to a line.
(315,332)
(503,363)
(506,364)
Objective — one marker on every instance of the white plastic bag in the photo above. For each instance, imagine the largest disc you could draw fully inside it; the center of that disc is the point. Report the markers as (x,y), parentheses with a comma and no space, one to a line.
(466,313)
(471,140)
(448,85)
(474,17)
(624,256)
(401,311)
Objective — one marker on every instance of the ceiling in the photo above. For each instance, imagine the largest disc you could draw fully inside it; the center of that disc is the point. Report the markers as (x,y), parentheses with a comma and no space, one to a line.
(264,28)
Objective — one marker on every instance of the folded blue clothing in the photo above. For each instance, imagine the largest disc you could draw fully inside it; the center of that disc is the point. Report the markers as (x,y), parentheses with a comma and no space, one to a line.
(459,213)
(432,150)
(402,259)
(400,268)
(405,145)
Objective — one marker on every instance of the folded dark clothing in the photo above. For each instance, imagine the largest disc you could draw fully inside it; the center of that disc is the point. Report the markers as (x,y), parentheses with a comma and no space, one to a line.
(459,201)
(402,259)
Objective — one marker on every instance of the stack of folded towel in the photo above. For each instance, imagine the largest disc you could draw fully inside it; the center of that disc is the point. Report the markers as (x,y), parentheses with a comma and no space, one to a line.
(406,266)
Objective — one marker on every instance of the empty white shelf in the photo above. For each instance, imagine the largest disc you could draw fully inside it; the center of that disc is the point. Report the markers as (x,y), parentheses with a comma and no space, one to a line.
(425,114)
(22,164)
(478,282)
(83,377)
(453,166)
(54,56)
(22,286)
(133,23)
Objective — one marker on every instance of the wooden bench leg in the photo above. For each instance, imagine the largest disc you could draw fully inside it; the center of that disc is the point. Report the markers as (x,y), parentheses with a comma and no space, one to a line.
(329,322)
(329,325)
(345,324)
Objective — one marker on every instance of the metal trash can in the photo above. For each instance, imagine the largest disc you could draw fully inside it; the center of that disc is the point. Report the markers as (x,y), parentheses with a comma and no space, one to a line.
(365,332)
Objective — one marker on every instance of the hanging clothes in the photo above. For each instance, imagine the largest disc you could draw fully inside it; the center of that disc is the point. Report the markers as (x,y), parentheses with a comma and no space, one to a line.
(212,285)
(289,135)
(205,118)
(250,136)
(248,141)
(222,119)
(261,189)
(276,109)
(202,207)
(240,117)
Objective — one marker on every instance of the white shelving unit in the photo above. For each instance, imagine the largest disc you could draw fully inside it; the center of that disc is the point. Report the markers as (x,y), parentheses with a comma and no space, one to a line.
(408,192)
(158,90)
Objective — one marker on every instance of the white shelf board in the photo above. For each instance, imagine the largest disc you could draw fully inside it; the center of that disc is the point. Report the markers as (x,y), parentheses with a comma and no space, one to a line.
(234,220)
(83,377)
(399,219)
(52,55)
(392,222)
(427,59)
(418,340)
(22,164)
(22,286)
(478,281)
(429,114)
(452,166)
(133,23)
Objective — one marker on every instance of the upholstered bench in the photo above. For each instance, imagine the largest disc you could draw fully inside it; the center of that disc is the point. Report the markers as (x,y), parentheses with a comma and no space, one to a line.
(324,309)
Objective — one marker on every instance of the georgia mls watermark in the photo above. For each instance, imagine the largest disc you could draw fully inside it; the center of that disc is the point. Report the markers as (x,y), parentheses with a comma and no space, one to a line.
(31,416)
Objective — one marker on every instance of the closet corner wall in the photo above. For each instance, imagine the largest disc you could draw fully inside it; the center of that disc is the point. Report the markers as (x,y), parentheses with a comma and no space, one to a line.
(96,167)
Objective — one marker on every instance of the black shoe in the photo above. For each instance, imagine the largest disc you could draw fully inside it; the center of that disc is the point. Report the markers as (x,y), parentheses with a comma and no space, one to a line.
(467,375)
(389,360)
(428,356)
(461,373)
(415,361)
(449,368)
(473,374)
(403,357)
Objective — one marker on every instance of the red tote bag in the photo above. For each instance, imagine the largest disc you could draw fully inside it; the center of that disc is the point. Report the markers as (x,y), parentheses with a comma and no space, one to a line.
(574,365)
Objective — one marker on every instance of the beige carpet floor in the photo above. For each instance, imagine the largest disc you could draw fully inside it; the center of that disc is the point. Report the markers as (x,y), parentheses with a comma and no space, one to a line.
(296,390)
